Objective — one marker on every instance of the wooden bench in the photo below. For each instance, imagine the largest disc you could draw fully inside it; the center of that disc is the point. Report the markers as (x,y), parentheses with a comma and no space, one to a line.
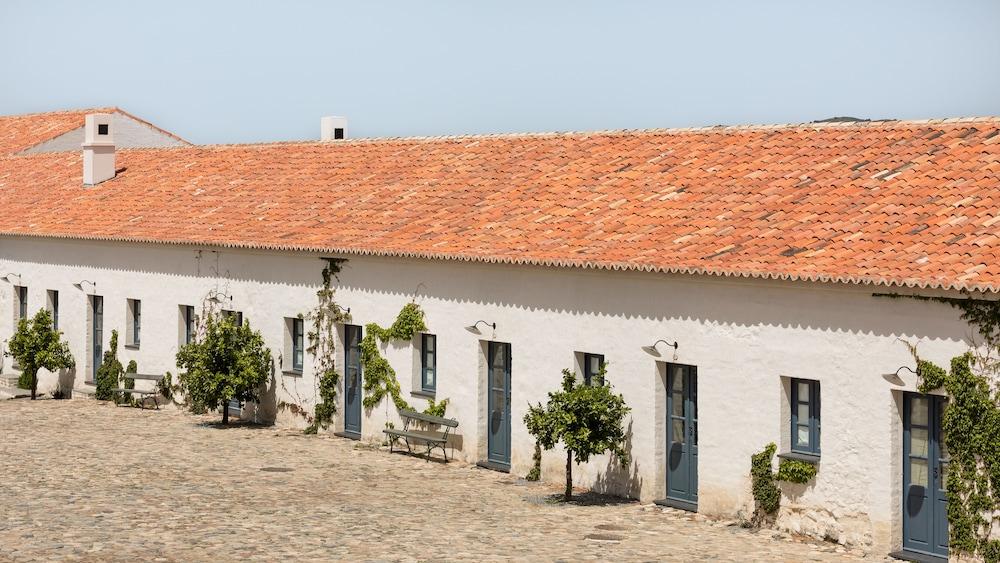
(144,393)
(432,439)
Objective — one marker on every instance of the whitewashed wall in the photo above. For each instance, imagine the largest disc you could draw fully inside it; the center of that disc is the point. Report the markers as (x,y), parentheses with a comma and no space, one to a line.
(743,335)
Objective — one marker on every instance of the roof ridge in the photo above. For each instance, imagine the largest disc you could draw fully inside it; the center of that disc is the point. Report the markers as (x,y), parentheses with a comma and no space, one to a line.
(893,123)
(106,109)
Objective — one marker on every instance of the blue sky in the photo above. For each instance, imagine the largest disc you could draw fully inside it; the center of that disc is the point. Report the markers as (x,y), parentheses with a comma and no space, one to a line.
(240,70)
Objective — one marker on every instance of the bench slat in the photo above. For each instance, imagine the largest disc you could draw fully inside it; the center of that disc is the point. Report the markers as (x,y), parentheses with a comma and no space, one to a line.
(144,376)
(426,436)
(428,418)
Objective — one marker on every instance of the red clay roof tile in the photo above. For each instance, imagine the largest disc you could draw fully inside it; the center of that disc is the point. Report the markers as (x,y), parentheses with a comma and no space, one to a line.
(902,203)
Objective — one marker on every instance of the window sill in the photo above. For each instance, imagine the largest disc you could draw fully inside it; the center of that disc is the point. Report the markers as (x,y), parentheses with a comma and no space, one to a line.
(132,346)
(800,456)
(292,372)
(424,394)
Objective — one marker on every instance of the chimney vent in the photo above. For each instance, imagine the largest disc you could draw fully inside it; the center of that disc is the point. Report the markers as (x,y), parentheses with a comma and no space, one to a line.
(332,127)
(98,149)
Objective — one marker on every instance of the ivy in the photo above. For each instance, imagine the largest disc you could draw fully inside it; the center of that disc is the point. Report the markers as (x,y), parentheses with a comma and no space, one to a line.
(380,378)
(322,346)
(536,469)
(795,471)
(436,409)
(766,495)
(971,427)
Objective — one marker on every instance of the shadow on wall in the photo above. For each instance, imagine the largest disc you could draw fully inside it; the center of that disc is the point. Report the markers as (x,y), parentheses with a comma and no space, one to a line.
(267,406)
(618,481)
(749,302)
(65,382)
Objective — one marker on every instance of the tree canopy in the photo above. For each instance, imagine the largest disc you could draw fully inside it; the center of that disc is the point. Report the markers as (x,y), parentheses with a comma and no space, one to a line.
(586,419)
(229,362)
(36,345)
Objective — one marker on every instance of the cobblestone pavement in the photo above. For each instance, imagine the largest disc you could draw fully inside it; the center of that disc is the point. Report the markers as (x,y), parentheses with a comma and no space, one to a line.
(86,481)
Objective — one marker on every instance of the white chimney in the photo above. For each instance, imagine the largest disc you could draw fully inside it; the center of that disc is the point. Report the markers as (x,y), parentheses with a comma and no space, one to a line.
(332,127)
(98,149)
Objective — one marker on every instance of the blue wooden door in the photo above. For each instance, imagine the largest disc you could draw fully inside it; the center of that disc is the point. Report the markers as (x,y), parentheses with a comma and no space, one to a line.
(352,380)
(499,402)
(682,436)
(97,336)
(925,502)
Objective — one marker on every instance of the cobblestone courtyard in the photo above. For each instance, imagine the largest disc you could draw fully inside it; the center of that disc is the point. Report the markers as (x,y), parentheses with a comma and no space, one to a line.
(80,480)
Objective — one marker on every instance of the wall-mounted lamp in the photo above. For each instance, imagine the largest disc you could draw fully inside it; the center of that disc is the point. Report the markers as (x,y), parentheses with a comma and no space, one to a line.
(7,277)
(474,328)
(218,297)
(894,376)
(652,351)
(79,285)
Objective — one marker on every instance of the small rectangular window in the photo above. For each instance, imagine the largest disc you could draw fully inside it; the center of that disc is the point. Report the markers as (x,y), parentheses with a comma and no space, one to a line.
(54,308)
(21,292)
(338,133)
(189,321)
(593,369)
(805,406)
(298,342)
(236,316)
(134,313)
(428,362)
(102,128)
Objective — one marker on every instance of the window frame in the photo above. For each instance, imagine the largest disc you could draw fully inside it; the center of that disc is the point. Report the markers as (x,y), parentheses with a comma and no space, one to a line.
(22,301)
(588,375)
(134,320)
(190,330)
(813,424)
(424,368)
(53,297)
(298,344)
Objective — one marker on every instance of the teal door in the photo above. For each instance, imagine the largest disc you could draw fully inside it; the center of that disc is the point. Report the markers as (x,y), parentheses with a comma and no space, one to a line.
(352,380)
(925,460)
(682,436)
(499,403)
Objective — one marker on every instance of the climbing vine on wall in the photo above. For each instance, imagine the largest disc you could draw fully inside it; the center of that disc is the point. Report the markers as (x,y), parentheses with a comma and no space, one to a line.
(971,426)
(380,378)
(322,346)
(766,494)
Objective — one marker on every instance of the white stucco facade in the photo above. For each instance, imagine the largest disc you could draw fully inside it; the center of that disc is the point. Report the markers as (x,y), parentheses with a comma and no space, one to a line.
(746,337)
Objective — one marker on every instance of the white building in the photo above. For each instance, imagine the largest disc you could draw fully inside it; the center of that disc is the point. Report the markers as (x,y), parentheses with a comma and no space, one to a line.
(757,250)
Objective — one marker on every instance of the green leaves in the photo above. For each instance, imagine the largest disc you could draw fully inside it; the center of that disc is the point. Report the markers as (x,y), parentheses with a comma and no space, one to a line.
(229,362)
(110,372)
(36,345)
(795,471)
(379,377)
(766,494)
(587,420)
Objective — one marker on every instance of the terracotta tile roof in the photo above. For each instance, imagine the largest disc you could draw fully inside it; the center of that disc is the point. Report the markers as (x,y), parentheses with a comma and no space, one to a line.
(899,203)
(21,132)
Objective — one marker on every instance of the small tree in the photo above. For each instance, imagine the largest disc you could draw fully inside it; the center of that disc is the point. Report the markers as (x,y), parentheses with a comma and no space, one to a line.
(109,374)
(229,362)
(586,419)
(36,345)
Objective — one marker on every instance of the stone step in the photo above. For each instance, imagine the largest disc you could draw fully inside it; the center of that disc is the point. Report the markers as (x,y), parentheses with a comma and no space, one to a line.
(8,380)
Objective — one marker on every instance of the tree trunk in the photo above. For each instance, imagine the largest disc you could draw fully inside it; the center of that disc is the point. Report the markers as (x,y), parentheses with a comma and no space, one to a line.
(225,412)
(569,475)
(34,384)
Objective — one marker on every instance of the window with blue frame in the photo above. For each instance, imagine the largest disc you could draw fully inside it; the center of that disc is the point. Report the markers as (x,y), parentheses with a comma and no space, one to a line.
(54,308)
(190,328)
(22,302)
(298,342)
(805,405)
(593,365)
(428,363)
(135,322)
